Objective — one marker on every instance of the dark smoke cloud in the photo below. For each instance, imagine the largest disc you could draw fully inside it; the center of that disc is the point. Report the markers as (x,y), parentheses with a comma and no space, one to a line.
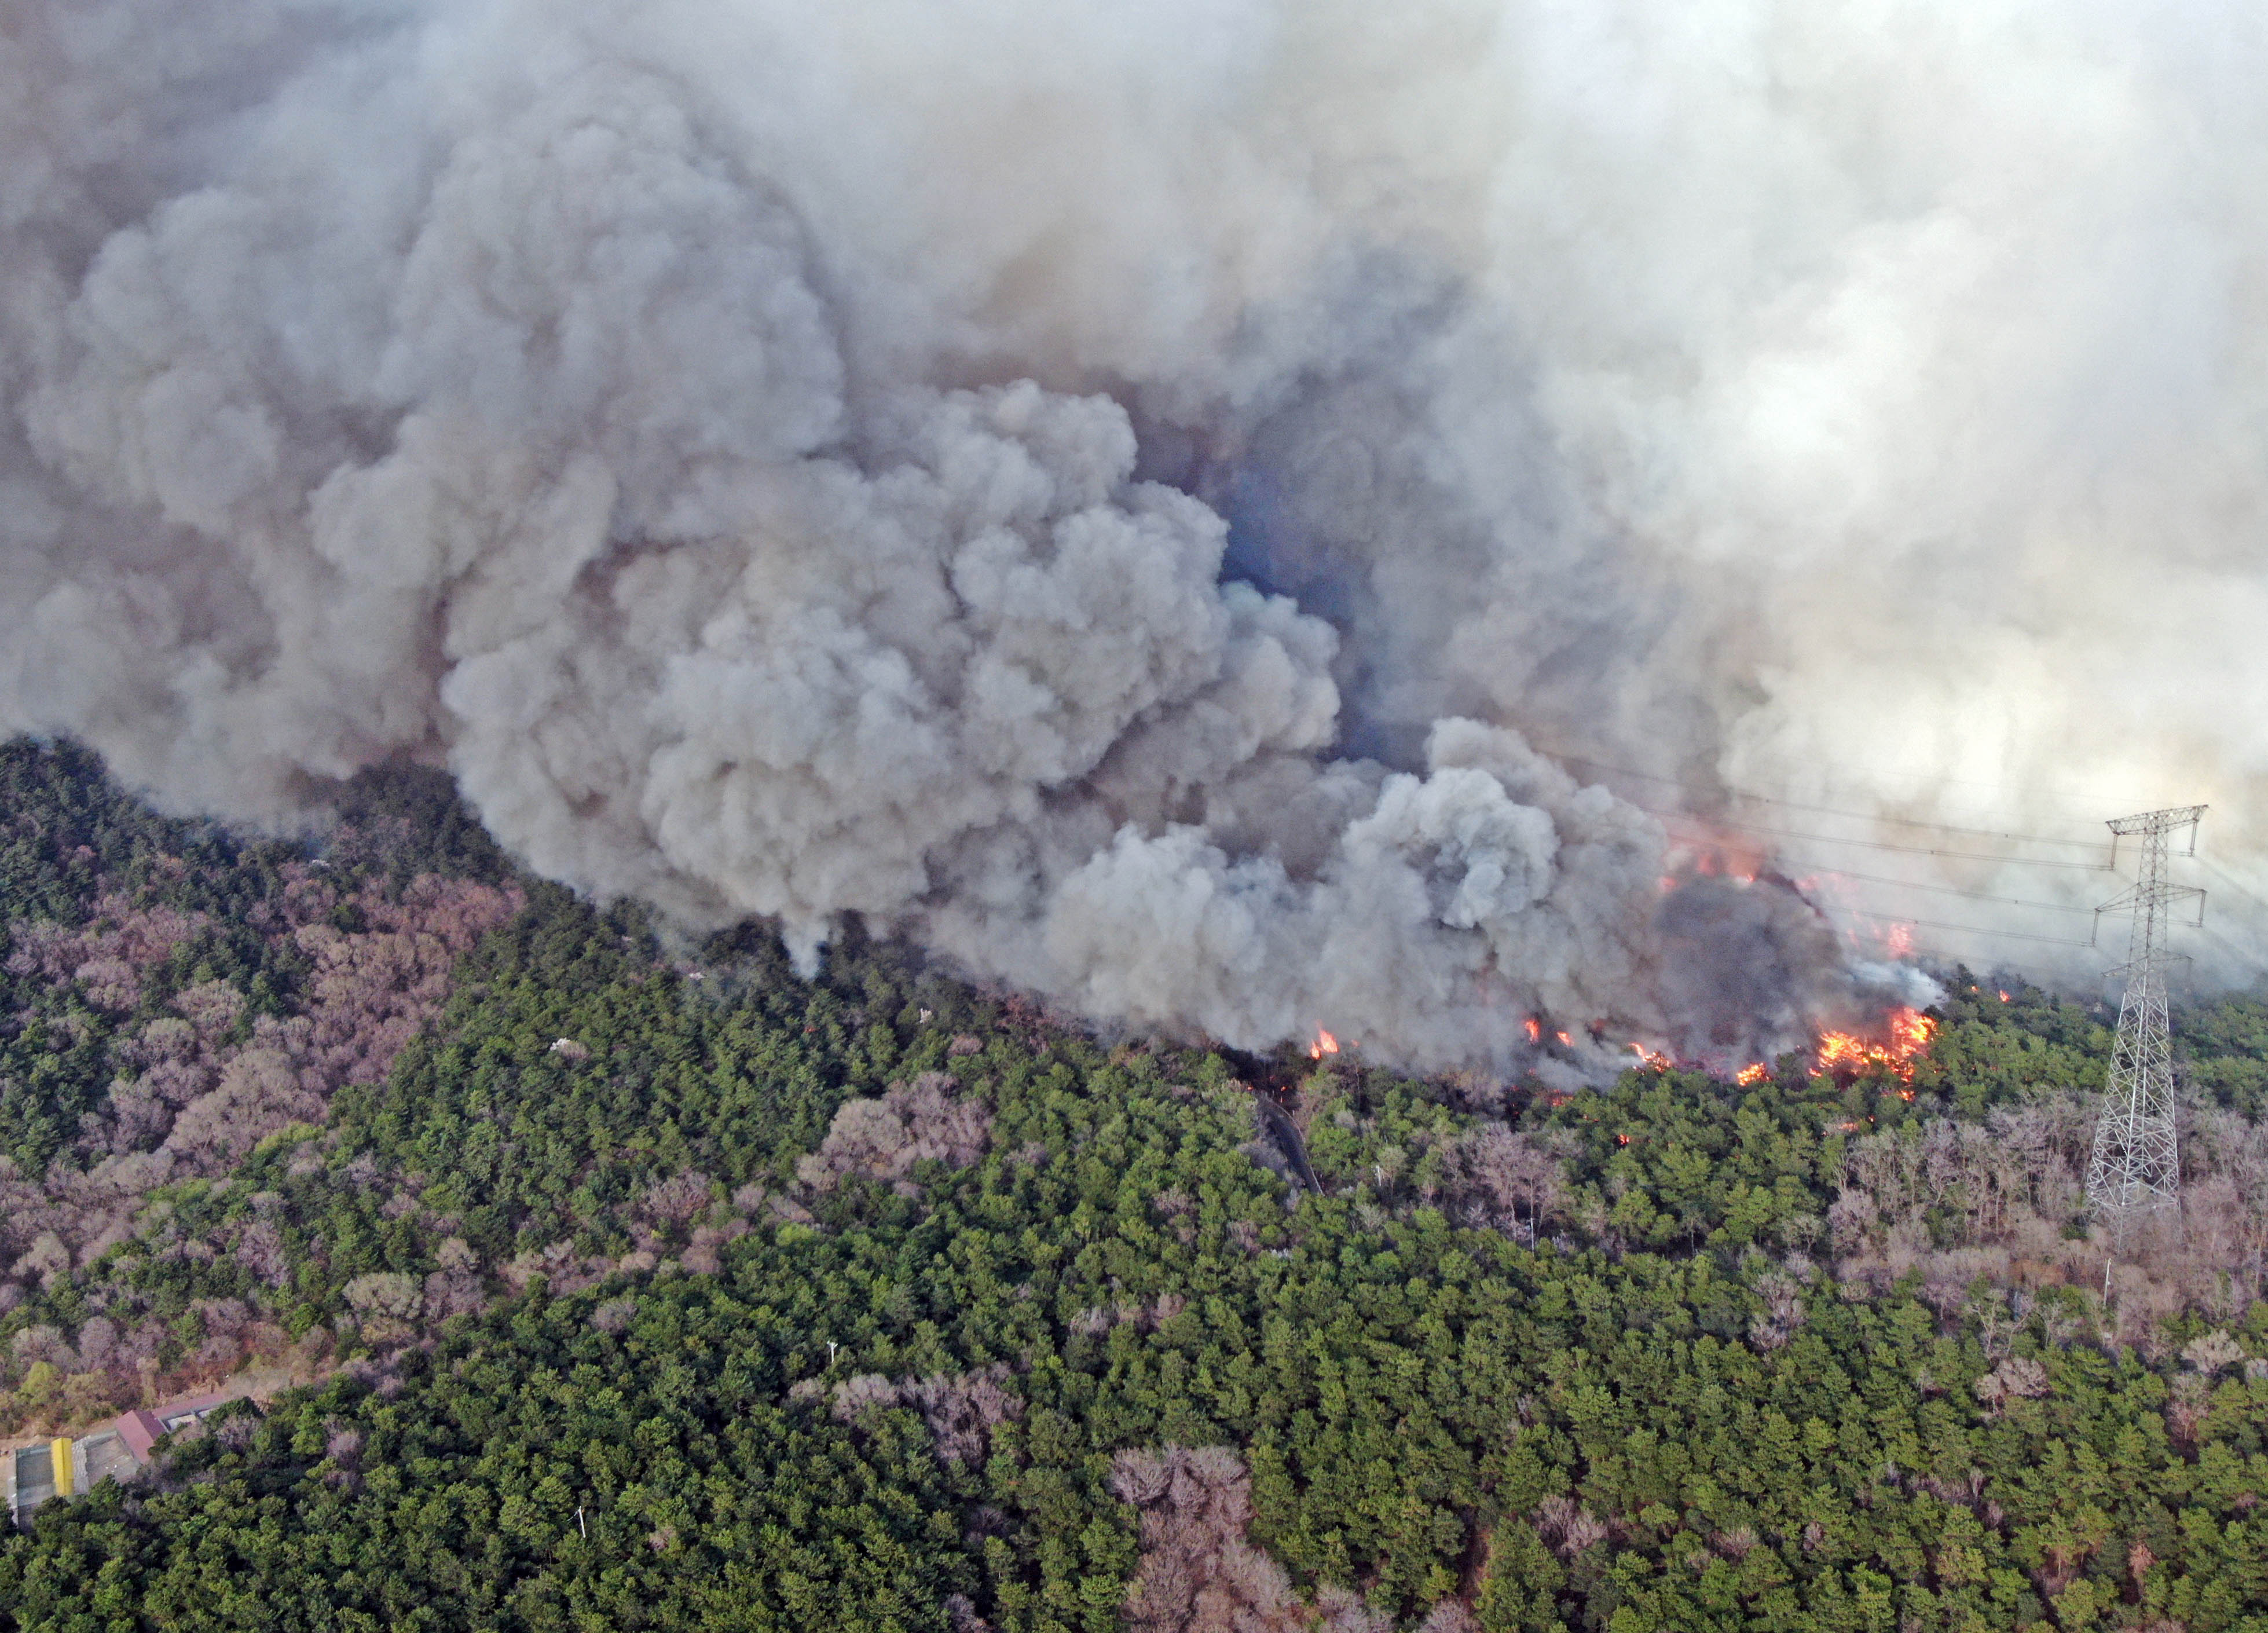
(1120,495)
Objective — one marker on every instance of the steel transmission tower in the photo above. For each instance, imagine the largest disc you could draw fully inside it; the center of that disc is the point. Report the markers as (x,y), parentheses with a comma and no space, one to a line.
(2137,1164)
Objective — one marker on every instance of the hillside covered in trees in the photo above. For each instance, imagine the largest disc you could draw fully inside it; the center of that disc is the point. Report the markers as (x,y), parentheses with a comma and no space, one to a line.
(643,1285)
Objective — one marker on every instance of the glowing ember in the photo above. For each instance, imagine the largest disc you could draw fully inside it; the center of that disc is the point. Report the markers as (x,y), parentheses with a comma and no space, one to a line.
(1535,1030)
(1324,1044)
(1910,1033)
(1752,1074)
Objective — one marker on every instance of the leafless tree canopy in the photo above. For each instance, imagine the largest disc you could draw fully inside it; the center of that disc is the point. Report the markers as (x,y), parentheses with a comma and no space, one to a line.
(928,1120)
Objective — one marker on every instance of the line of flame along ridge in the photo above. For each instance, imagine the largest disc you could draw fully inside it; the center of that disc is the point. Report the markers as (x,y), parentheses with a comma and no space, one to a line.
(1839,1053)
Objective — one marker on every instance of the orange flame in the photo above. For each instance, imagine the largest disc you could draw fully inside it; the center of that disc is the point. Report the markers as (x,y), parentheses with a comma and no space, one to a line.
(1752,1074)
(1657,1061)
(1324,1044)
(1911,1031)
(1563,1038)
(1535,1030)
(1840,1048)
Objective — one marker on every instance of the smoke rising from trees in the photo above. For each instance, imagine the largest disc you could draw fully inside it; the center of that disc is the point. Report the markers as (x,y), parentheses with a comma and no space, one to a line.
(1121,496)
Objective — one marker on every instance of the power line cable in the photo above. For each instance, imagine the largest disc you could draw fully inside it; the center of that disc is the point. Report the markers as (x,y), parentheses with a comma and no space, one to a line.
(2030,792)
(2022,791)
(1878,844)
(1932,779)
(1955,890)
(2250,959)
(1969,930)
(1856,816)
(2229,882)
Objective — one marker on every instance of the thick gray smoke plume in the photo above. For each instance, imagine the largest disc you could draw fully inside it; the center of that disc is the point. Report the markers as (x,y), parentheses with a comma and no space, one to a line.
(1123,493)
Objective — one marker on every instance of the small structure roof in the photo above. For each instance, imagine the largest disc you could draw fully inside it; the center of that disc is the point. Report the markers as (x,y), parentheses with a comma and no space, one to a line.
(144,1427)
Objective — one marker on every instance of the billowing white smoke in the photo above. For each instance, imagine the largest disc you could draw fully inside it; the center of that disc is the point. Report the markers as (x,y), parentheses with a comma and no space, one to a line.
(818,460)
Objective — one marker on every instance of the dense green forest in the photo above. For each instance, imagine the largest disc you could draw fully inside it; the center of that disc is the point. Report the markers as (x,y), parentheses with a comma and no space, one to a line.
(637,1283)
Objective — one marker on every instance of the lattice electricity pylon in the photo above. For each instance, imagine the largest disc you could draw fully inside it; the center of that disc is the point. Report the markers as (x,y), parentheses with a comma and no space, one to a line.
(2136,1167)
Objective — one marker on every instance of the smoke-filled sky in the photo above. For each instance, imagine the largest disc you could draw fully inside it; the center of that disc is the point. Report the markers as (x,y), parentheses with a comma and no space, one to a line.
(1123,493)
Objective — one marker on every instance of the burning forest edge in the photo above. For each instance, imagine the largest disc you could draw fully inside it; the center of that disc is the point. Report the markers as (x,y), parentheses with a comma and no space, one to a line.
(1070,1299)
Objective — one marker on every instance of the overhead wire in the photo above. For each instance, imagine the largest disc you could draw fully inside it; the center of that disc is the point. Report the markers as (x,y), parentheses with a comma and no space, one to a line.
(2250,959)
(1955,890)
(1858,816)
(1881,844)
(1969,930)
(1937,779)
(2106,865)
(2229,883)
